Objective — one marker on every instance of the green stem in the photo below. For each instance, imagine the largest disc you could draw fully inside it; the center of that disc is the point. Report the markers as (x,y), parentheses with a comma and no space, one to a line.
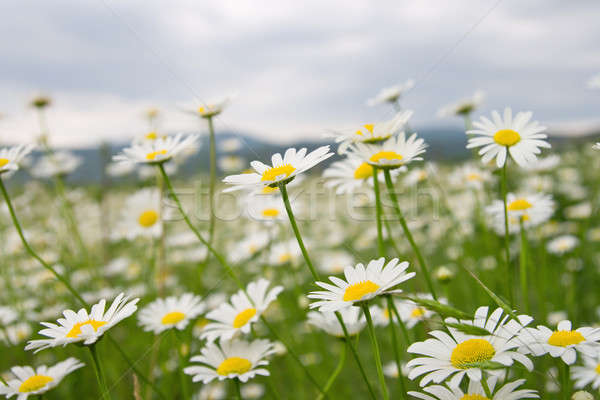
(565,380)
(99,373)
(509,279)
(238,389)
(405,334)
(396,347)
(375,349)
(485,385)
(336,372)
(424,269)
(213,179)
(378,211)
(523,267)
(31,252)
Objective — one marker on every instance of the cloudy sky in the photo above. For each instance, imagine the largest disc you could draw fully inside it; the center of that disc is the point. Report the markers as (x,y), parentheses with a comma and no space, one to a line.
(299,68)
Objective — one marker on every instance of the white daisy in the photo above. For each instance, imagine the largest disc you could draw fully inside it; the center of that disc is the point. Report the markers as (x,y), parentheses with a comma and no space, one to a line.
(231,359)
(36,381)
(461,354)
(562,342)
(588,374)
(284,253)
(562,244)
(411,313)
(530,209)
(172,312)
(80,326)
(266,208)
(245,309)
(543,164)
(327,321)
(470,176)
(361,284)
(7,316)
(395,152)
(391,94)
(207,109)
(350,174)
(57,163)
(10,157)
(475,391)
(283,169)
(156,151)
(463,107)
(372,133)
(141,216)
(252,243)
(519,137)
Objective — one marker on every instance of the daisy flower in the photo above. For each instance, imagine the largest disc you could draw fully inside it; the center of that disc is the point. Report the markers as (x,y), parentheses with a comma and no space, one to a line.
(531,209)
(562,244)
(350,174)
(141,216)
(37,381)
(266,208)
(458,354)
(10,157)
(588,374)
(543,164)
(361,284)
(80,326)
(156,151)
(372,133)
(393,153)
(231,359)
(252,243)
(207,109)
(596,146)
(172,312)
(7,316)
(244,309)
(58,163)
(470,176)
(463,107)
(411,313)
(283,169)
(518,137)
(391,94)
(562,342)
(475,391)
(327,321)
(284,253)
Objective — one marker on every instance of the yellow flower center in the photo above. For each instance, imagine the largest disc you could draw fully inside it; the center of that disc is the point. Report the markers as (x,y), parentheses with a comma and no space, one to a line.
(275,173)
(473,177)
(285,257)
(471,351)
(565,338)
(269,189)
(148,218)
(270,212)
(418,312)
(474,397)
(151,136)
(368,127)
(35,382)
(598,369)
(519,205)
(172,318)
(243,317)
(234,365)
(507,137)
(359,290)
(3,162)
(386,155)
(154,154)
(363,171)
(76,329)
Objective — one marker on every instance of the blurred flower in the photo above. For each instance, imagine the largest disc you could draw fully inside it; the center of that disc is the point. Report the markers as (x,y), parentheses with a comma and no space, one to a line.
(327,321)
(562,244)
(475,391)
(391,94)
(172,312)
(462,107)
(529,209)
(394,153)
(11,157)
(156,151)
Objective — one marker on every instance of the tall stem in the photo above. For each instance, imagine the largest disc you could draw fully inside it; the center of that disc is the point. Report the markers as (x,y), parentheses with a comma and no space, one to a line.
(396,347)
(413,244)
(523,267)
(378,211)
(506,237)
(99,372)
(485,385)
(30,250)
(335,373)
(375,348)
(213,179)
(238,389)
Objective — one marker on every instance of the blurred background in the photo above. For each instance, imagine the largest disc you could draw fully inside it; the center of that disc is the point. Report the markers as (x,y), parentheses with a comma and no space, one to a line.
(299,69)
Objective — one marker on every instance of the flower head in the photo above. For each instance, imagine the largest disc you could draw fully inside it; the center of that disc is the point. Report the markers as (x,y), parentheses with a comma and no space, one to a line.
(530,210)
(391,94)
(463,106)
(141,216)
(475,391)
(172,312)
(588,373)
(207,109)
(395,152)
(327,321)
(156,151)
(11,157)
(350,174)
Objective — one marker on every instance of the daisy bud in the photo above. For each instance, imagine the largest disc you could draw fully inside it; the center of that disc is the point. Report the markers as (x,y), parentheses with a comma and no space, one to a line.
(443,274)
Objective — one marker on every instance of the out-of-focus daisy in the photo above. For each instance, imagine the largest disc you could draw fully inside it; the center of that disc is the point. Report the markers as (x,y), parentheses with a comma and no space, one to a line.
(230,145)
(253,391)
(530,209)
(464,106)
(361,284)
(10,157)
(247,247)
(327,321)
(238,316)
(207,109)
(596,146)
(543,164)
(80,326)
(7,315)
(283,169)
(562,244)
(391,94)
(266,208)
(372,133)
(335,262)
(562,342)
(37,381)
(594,82)
(172,312)
(411,313)
(156,151)
(231,163)
(460,354)
(57,163)
(395,152)
(349,174)
(231,359)
(284,253)
(470,176)
(475,391)
(15,334)
(141,216)
(498,137)
(588,374)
